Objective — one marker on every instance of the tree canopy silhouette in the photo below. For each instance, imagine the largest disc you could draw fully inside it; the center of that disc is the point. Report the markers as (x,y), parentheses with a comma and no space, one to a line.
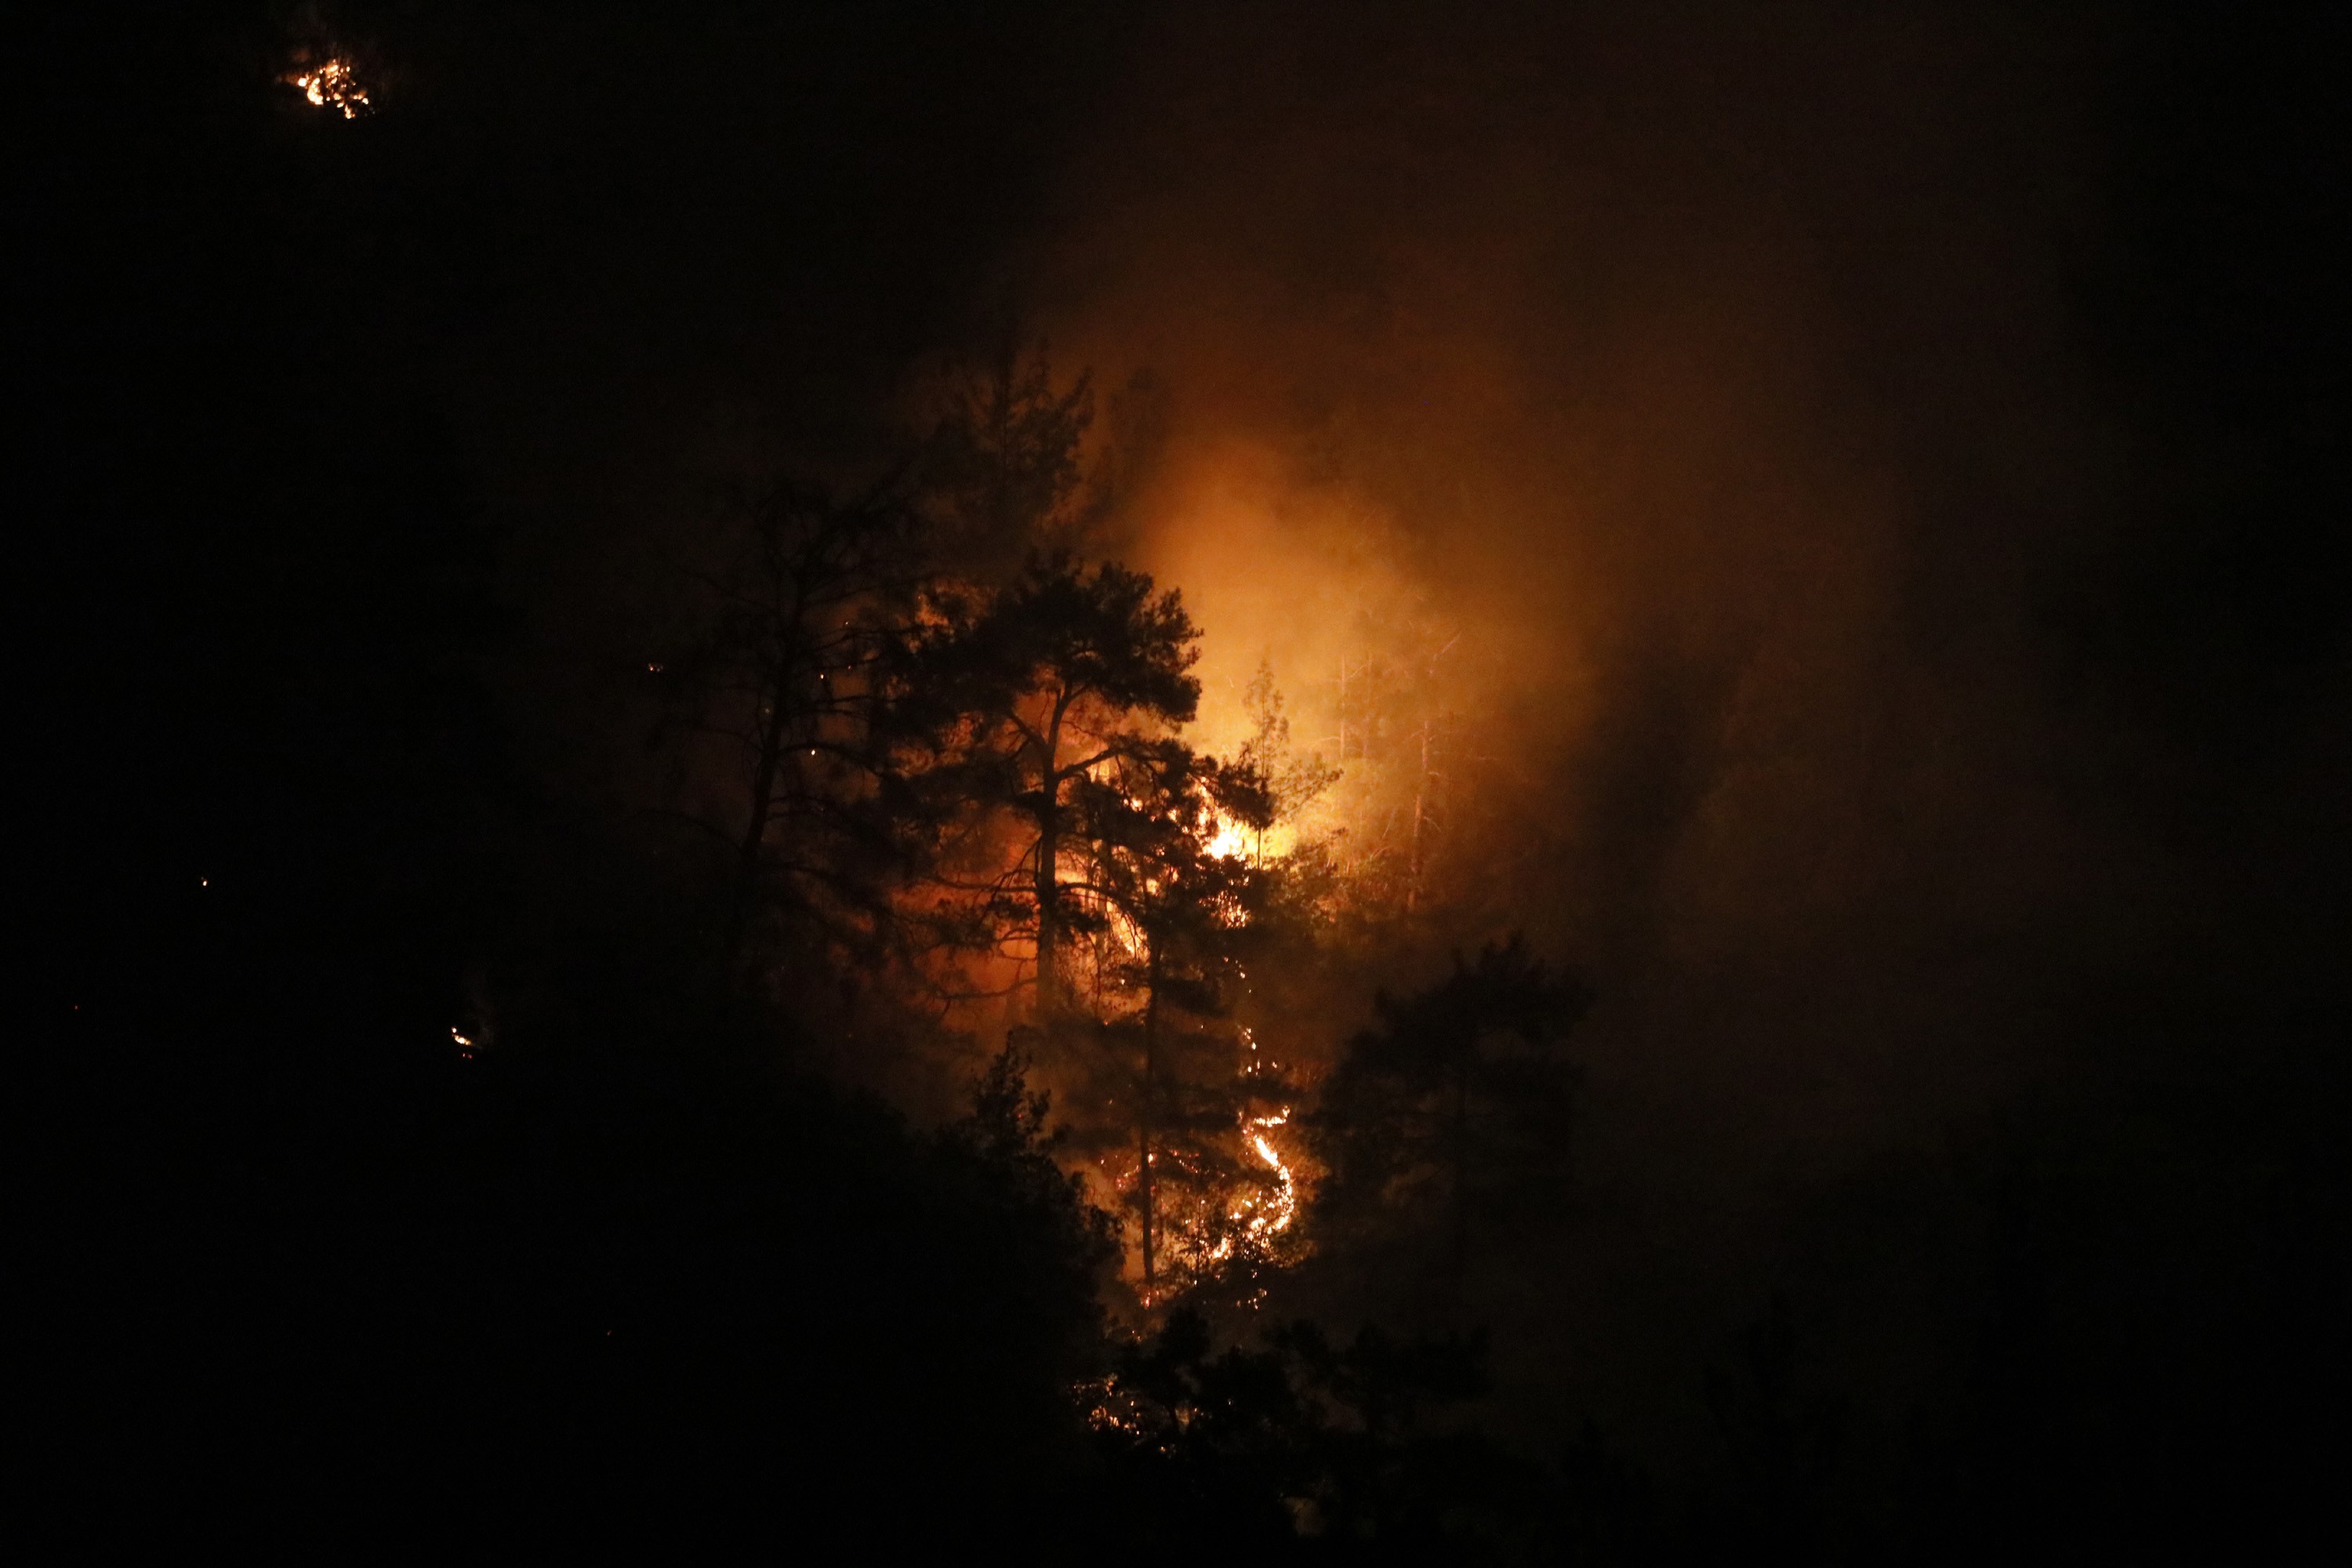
(1456,1101)
(1069,671)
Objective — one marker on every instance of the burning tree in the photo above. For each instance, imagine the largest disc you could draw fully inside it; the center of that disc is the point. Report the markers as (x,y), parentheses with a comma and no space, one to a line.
(1287,784)
(942,768)
(1063,676)
(1179,910)
(1404,777)
(1110,859)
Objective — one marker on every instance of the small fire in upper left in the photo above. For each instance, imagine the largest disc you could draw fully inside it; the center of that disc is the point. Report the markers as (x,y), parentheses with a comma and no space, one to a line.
(332,86)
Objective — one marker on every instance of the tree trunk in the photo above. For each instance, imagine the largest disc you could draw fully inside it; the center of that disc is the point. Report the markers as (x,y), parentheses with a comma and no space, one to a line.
(1048,882)
(1143,1120)
(1460,1241)
(1049,925)
(1419,817)
(763,796)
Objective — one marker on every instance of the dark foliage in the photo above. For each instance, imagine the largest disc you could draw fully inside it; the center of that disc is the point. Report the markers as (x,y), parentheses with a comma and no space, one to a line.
(1455,1107)
(1335,1451)
(618,1272)
(1067,671)
(797,670)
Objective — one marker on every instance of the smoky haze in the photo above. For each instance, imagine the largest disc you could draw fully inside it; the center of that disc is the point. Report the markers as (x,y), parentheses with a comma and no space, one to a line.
(1730,384)
(1673,370)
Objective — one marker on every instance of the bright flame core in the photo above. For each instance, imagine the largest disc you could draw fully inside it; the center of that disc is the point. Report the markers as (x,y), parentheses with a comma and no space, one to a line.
(1269,1219)
(332,86)
(1239,841)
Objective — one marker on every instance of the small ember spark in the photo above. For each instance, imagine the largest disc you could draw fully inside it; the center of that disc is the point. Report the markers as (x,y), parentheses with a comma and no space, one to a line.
(332,86)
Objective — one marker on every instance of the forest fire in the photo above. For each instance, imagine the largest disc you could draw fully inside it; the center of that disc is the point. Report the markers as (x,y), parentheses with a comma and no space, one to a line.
(333,85)
(1233,841)
(1257,844)
(1270,1218)
(1217,1216)
(1050,802)
(1608,827)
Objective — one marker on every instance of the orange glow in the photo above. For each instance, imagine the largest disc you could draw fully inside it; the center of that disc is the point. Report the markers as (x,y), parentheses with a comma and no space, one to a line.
(332,86)
(1236,841)
(1272,1218)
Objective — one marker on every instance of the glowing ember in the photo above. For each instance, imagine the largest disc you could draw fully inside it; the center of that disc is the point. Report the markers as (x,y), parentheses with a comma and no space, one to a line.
(1269,1218)
(332,86)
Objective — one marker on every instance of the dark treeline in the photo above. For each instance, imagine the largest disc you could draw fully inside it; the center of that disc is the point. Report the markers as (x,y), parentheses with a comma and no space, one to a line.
(809,1083)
